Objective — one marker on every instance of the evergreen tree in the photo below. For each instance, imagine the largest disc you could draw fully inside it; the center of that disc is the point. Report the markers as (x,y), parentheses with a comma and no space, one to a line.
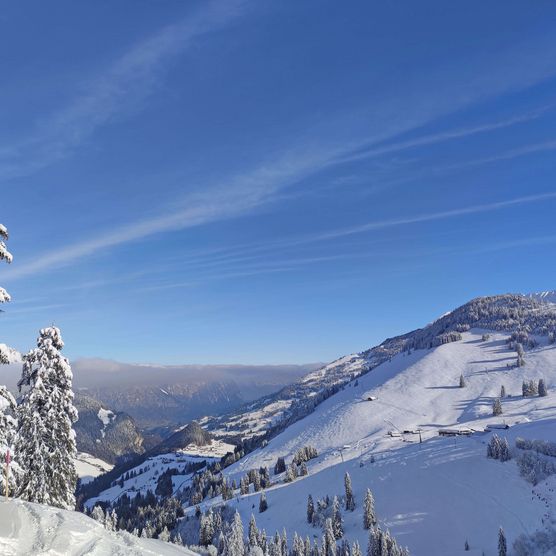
(542,388)
(497,407)
(298,546)
(234,541)
(369,518)
(98,514)
(5,255)
(164,535)
(253,534)
(206,529)
(263,504)
(462,383)
(374,546)
(46,442)
(502,391)
(337,521)
(533,390)
(329,541)
(280,466)
(356,549)
(310,509)
(502,545)
(350,501)
(7,438)
(466,546)
(525,389)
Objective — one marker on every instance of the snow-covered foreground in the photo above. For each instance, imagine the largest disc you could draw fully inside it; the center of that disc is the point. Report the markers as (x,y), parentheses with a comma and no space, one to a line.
(436,495)
(31,530)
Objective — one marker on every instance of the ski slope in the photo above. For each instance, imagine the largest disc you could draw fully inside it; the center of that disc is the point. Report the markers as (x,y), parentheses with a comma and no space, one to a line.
(31,530)
(432,496)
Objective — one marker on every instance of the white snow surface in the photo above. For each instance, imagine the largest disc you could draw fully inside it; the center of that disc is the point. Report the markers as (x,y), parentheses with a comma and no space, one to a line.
(31,530)
(88,467)
(432,496)
(105,415)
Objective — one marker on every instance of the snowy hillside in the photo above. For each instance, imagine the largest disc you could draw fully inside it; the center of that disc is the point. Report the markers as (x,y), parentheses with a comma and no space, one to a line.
(31,529)
(547,296)
(270,415)
(145,476)
(378,415)
(444,488)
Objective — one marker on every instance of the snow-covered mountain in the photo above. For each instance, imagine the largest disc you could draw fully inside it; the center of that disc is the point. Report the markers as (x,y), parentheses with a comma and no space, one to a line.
(31,529)
(106,434)
(271,414)
(374,408)
(547,296)
(168,396)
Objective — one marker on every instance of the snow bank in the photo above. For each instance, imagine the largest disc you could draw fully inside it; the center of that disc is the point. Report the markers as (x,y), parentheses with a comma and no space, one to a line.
(31,529)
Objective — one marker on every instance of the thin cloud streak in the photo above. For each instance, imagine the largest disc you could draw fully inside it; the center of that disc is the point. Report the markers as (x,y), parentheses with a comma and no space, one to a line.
(128,82)
(428,217)
(426,140)
(244,193)
(508,155)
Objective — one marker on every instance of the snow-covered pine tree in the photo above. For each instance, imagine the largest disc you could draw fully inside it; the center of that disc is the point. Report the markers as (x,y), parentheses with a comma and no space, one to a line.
(369,518)
(533,389)
(8,426)
(374,545)
(298,546)
(350,500)
(497,407)
(206,528)
(234,543)
(164,535)
(505,454)
(329,540)
(462,383)
(98,514)
(310,509)
(542,388)
(307,546)
(502,545)
(253,534)
(263,504)
(494,447)
(5,255)
(502,391)
(337,521)
(356,549)
(284,541)
(46,441)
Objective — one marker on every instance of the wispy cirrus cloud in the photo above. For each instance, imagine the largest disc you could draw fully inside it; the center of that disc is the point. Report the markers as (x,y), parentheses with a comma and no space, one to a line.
(431,139)
(330,144)
(128,81)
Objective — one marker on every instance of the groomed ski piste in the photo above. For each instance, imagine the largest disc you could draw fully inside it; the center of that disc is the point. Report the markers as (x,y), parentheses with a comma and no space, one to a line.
(32,529)
(435,495)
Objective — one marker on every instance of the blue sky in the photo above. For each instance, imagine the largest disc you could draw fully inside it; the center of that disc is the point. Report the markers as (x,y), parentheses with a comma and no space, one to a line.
(269,182)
